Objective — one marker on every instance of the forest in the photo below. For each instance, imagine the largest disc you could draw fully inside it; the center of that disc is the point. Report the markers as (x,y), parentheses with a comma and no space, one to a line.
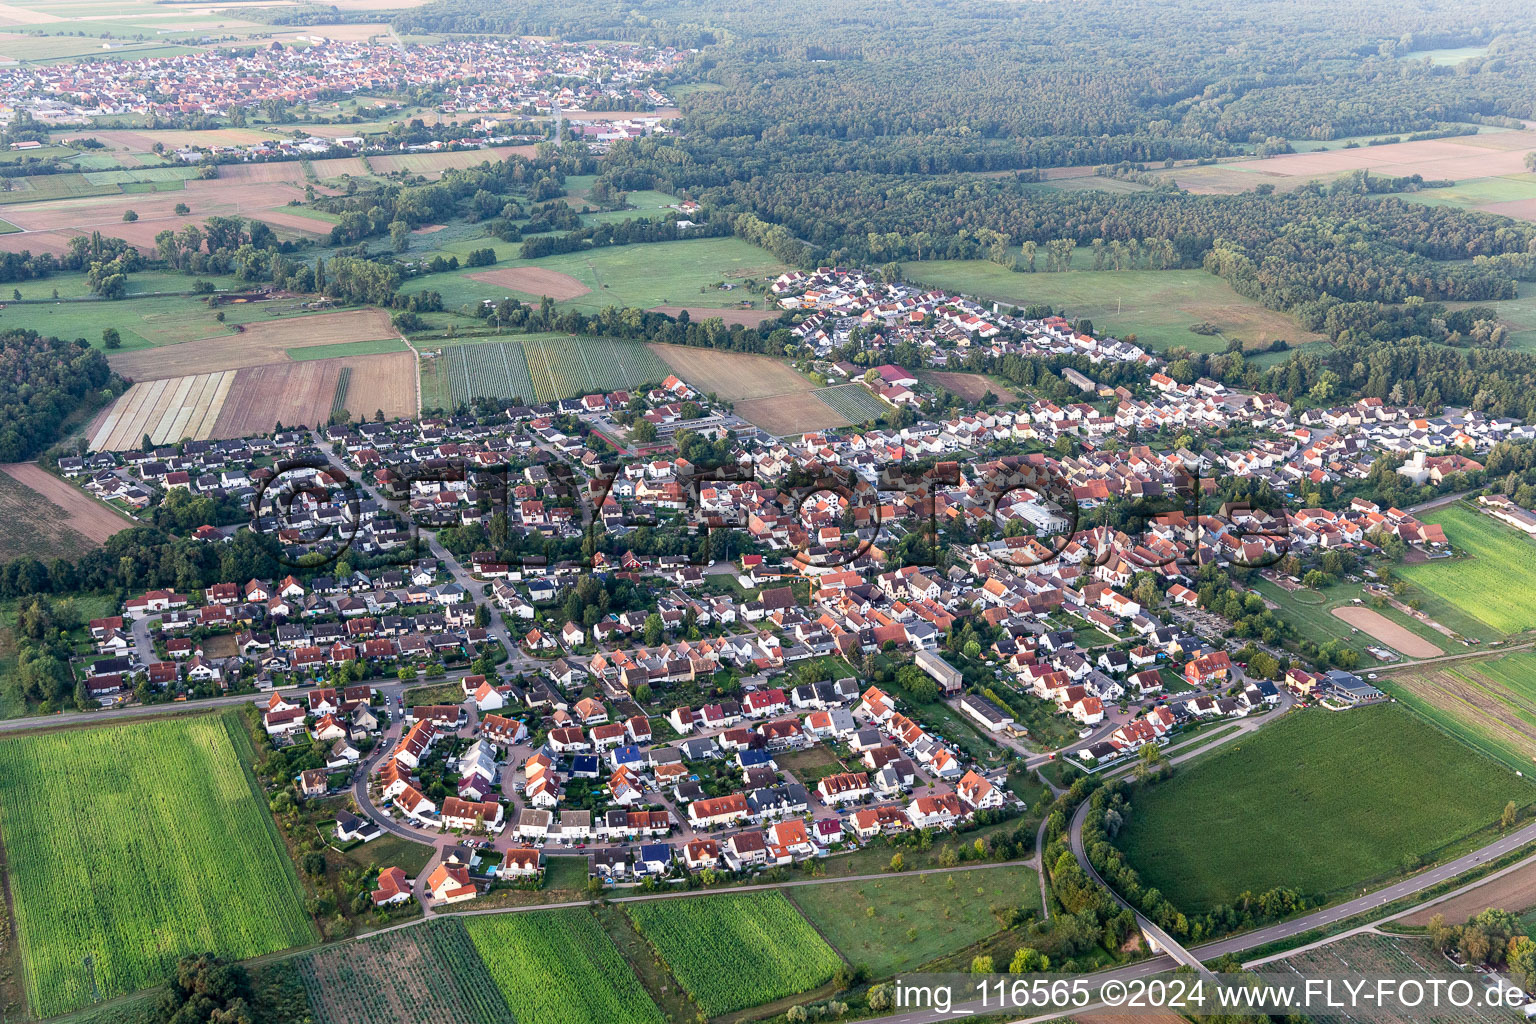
(43,381)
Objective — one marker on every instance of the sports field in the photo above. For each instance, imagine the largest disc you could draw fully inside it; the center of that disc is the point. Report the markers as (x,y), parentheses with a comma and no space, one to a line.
(731,952)
(1493,582)
(1322,802)
(1158,306)
(916,917)
(560,967)
(132,846)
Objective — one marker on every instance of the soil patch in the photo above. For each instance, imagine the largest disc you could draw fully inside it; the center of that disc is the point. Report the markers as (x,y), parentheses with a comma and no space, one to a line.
(533,281)
(1379,627)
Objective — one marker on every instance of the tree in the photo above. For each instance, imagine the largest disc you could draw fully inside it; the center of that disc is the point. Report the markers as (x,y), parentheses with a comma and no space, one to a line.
(182,209)
(129,216)
(898,862)
(981,965)
(654,629)
(399,235)
(110,338)
(1029,961)
(1510,816)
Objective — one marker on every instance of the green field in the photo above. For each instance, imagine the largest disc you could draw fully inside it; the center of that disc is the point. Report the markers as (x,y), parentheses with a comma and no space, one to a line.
(560,967)
(854,402)
(1311,612)
(731,952)
(430,973)
(135,845)
(1493,583)
(1158,306)
(1519,313)
(1322,802)
(540,368)
(917,917)
(641,276)
(347,348)
(1490,703)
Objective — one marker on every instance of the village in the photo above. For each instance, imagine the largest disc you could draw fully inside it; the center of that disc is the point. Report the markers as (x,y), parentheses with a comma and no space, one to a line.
(509,77)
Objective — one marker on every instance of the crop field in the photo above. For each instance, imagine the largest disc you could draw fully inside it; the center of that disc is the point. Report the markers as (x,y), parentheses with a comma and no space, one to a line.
(792,413)
(428,974)
(731,952)
(1494,582)
(947,912)
(306,392)
(1514,892)
(258,342)
(972,387)
(1465,156)
(33,526)
(1158,306)
(854,402)
(1489,703)
(165,411)
(434,164)
(644,276)
(347,348)
(135,845)
(560,967)
(1399,956)
(64,504)
(1321,802)
(544,369)
(732,376)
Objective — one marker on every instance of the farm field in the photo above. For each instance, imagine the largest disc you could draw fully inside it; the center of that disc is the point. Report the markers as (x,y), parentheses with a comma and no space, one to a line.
(347,348)
(165,411)
(1373,956)
(854,402)
(1158,306)
(545,368)
(177,854)
(33,526)
(1513,195)
(1494,583)
(307,392)
(560,967)
(81,206)
(430,974)
(434,164)
(793,413)
(1514,892)
(80,512)
(731,952)
(642,276)
(948,913)
(749,317)
(260,341)
(1490,703)
(1227,824)
(732,376)
(971,387)
(1465,156)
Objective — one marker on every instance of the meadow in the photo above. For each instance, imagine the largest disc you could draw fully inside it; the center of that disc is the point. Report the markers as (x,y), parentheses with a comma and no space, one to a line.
(916,917)
(131,846)
(1322,802)
(560,967)
(641,276)
(1495,580)
(1158,306)
(731,952)
(430,972)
